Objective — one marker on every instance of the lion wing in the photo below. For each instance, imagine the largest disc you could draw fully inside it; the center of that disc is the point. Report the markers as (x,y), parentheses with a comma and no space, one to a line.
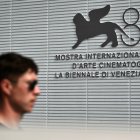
(96,14)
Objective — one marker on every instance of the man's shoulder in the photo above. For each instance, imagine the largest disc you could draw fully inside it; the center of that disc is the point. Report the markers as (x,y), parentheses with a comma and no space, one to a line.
(2,126)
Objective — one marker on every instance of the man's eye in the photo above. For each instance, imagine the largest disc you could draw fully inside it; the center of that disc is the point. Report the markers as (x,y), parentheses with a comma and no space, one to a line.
(32,85)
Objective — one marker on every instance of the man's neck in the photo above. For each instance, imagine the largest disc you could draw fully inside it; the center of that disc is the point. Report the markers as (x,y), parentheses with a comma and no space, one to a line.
(9,117)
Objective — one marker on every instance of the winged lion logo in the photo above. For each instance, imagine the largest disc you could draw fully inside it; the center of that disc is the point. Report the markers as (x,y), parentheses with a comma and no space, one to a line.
(87,29)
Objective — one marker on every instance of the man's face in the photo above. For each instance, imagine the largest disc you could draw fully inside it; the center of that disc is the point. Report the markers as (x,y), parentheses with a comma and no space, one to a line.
(24,92)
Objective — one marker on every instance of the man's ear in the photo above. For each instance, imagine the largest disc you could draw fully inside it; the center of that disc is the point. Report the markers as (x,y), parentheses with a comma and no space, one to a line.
(6,86)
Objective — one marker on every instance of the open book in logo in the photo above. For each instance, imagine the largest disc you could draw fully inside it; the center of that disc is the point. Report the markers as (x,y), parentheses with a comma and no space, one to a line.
(87,29)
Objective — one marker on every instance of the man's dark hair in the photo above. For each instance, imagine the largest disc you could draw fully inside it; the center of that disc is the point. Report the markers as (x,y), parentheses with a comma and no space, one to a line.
(13,65)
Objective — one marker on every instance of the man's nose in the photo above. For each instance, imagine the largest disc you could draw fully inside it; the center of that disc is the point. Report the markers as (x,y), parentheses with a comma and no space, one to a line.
(37,90)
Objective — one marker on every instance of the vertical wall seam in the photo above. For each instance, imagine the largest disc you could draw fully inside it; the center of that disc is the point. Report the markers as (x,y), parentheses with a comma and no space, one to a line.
(10,25)
(130,78)
(47,63)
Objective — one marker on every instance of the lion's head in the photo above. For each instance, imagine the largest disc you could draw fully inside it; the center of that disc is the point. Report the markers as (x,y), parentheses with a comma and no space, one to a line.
(79,19)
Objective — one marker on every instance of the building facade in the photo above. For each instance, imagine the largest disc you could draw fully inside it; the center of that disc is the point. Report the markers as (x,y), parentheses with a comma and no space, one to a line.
(88,52)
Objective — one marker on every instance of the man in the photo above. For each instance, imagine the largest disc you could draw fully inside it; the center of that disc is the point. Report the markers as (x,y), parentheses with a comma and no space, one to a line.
(18,88)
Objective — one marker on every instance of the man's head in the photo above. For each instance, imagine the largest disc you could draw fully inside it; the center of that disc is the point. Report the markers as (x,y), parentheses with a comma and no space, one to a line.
(18,82)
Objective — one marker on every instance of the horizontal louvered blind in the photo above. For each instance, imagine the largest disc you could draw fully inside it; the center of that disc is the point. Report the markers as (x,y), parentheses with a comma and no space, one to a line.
(44,30)
(29,37)
(67,100)
(5,25)
(89,102)
(134,83)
